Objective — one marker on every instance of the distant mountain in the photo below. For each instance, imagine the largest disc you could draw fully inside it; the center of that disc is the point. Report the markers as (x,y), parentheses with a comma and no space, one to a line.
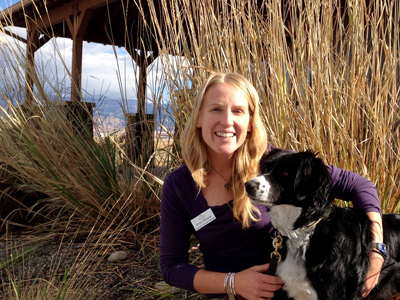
(109,114)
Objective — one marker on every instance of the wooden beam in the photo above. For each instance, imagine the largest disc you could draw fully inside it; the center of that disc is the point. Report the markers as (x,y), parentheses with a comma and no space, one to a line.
(62,13)
(42,41)
(128,15)
(112,14)
(76,80)
(15,36)
(77,27)
(142,83)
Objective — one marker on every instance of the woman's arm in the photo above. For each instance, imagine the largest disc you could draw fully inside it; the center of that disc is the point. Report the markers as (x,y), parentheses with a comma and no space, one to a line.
(175,240)
(376,260)
(353,187)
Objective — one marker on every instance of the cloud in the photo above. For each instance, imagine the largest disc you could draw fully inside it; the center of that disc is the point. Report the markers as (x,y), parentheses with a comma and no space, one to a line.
(104,71)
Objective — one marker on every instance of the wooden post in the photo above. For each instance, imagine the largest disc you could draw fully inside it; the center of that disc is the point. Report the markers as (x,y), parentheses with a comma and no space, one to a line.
(140,129)
(140,125)
(79,114)
(142,84)
(140,137)
(32,44)
(76,69)
(77,26)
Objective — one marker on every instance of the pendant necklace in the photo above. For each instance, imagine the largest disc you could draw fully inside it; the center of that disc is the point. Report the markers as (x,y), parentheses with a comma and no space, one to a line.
(219,174)
(227,181)
(226,185)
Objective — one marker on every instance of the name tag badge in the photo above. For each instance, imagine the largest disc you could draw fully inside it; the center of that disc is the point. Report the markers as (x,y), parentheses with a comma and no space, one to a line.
(203,219)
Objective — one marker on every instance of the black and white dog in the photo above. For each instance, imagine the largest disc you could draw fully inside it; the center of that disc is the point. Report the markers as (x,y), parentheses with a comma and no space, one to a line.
(327,247)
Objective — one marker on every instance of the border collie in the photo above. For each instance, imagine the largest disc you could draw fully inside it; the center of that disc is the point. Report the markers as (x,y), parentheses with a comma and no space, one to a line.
(327,247)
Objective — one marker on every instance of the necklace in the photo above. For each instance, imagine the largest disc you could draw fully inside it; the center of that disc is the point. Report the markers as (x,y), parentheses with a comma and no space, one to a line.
(227,181)
(226,186)
(219,173)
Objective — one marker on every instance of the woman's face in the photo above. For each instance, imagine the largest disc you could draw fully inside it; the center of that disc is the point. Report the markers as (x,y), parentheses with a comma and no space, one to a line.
(224,120)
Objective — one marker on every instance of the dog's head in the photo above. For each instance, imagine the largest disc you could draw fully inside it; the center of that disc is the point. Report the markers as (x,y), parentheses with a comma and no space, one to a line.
(299,179)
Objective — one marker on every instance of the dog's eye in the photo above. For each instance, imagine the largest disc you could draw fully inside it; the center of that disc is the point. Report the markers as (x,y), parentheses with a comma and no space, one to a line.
(286,174)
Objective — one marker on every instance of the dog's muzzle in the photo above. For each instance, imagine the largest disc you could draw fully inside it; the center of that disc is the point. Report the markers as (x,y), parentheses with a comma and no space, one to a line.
(258,190)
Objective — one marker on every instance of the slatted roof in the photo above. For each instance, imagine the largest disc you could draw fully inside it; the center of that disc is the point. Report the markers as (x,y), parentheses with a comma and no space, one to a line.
(110,21)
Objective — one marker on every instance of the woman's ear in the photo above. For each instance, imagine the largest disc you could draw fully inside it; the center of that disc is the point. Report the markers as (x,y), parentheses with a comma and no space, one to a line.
(198,123)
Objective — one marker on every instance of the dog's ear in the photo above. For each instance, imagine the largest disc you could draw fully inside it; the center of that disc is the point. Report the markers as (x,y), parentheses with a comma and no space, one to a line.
(269,161)
(312,178)
(266,161)
(273,152)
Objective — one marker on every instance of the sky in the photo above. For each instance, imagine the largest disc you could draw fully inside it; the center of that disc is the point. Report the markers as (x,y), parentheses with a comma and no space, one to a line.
(106,72)
(6,3)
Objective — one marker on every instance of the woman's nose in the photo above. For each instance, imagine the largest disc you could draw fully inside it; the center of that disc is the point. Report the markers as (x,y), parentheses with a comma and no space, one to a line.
(227,118)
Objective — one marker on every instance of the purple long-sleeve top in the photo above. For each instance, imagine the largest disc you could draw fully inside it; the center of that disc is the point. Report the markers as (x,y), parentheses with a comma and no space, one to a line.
(225,246)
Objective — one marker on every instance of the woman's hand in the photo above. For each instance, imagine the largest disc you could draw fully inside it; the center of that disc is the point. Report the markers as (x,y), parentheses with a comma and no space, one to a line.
(252,284)
(376,262)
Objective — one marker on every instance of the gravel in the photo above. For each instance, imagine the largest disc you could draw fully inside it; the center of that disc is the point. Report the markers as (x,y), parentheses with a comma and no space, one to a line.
(78,263)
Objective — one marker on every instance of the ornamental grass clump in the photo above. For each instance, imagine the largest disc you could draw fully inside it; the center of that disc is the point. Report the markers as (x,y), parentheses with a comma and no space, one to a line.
(49,147)
(327,73)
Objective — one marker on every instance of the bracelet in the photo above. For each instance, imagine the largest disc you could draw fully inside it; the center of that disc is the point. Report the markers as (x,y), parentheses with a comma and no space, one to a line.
(226,283)
(379,248)
(379,252)
(232,284)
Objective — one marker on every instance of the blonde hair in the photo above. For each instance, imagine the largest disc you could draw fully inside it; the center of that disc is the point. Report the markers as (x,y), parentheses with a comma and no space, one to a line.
(246,157)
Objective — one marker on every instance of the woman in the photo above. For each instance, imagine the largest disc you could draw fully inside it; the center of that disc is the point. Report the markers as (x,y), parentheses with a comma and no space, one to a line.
(222,145)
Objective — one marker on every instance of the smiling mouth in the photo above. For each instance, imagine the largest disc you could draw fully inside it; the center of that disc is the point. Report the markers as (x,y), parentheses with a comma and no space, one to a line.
(225,135)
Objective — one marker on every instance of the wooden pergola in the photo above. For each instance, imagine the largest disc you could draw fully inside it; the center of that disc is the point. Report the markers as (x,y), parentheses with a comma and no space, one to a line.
(108,22)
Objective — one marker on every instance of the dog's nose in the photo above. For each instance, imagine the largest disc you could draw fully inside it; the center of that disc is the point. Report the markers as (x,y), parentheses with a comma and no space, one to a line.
(251,186)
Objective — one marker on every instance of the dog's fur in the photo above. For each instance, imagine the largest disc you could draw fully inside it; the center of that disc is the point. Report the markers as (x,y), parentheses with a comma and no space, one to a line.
(329,260)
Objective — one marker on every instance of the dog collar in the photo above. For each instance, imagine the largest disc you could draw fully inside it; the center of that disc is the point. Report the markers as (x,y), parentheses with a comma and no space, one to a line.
(379,248)
(312,224)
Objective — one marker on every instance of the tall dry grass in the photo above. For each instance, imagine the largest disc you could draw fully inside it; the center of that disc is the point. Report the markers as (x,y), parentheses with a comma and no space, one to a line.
(327,77)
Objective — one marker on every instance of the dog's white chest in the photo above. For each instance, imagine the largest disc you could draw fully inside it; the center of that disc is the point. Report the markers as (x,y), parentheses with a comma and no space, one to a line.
(294,274)
(292,269)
